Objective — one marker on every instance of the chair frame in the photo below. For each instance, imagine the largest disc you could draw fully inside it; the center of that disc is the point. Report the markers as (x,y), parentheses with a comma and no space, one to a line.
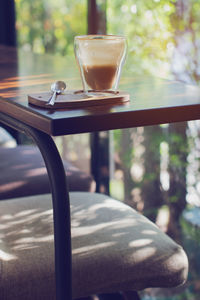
(60,203)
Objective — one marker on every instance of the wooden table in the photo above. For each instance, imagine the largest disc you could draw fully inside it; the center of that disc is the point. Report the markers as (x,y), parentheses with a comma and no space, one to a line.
(152,101)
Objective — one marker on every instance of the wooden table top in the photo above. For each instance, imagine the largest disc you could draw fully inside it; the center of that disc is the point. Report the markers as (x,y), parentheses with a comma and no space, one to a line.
(152,100)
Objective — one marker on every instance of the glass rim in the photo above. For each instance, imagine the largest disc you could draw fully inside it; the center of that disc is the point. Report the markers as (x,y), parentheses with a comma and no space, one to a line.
(99,37)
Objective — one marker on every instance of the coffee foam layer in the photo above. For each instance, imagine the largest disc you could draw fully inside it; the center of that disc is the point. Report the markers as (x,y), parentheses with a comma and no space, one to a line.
(101,52)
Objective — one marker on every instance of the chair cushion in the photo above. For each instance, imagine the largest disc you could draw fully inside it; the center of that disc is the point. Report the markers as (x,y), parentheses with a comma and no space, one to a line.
(23,173)
(114,248)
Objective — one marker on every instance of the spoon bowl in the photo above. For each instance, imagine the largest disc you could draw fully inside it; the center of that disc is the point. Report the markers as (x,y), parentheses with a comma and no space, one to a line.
(57,88)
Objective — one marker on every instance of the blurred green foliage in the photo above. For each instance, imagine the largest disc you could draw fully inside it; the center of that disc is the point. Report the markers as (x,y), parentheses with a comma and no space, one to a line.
(50,26)
(151,28)
(156,31)
(149,32)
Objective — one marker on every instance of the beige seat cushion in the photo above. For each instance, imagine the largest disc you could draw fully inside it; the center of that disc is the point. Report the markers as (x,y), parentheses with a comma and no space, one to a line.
(114,248)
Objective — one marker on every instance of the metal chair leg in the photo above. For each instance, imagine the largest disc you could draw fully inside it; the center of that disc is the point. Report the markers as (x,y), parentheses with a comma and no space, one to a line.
(60,203)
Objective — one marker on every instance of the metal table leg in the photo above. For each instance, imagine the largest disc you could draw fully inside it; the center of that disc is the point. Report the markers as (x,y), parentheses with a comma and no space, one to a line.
(60,203)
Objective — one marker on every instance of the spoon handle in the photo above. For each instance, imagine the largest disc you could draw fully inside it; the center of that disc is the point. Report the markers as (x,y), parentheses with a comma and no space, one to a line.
(52,99)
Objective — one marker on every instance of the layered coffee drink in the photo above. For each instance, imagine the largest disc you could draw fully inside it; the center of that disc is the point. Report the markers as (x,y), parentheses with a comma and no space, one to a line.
(100,77)
(100,58)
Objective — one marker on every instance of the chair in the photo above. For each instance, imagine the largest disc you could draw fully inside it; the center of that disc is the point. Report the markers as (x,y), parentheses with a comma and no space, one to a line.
(114,248)
(23,173)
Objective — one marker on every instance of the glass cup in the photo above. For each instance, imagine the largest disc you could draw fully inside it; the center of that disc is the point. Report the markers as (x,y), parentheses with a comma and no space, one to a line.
(100,59)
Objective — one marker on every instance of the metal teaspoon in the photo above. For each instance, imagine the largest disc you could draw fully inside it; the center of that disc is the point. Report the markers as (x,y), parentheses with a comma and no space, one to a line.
(57,88)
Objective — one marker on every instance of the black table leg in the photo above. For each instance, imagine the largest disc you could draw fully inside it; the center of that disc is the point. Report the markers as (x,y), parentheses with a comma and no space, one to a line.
(60,203)
(99,144)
